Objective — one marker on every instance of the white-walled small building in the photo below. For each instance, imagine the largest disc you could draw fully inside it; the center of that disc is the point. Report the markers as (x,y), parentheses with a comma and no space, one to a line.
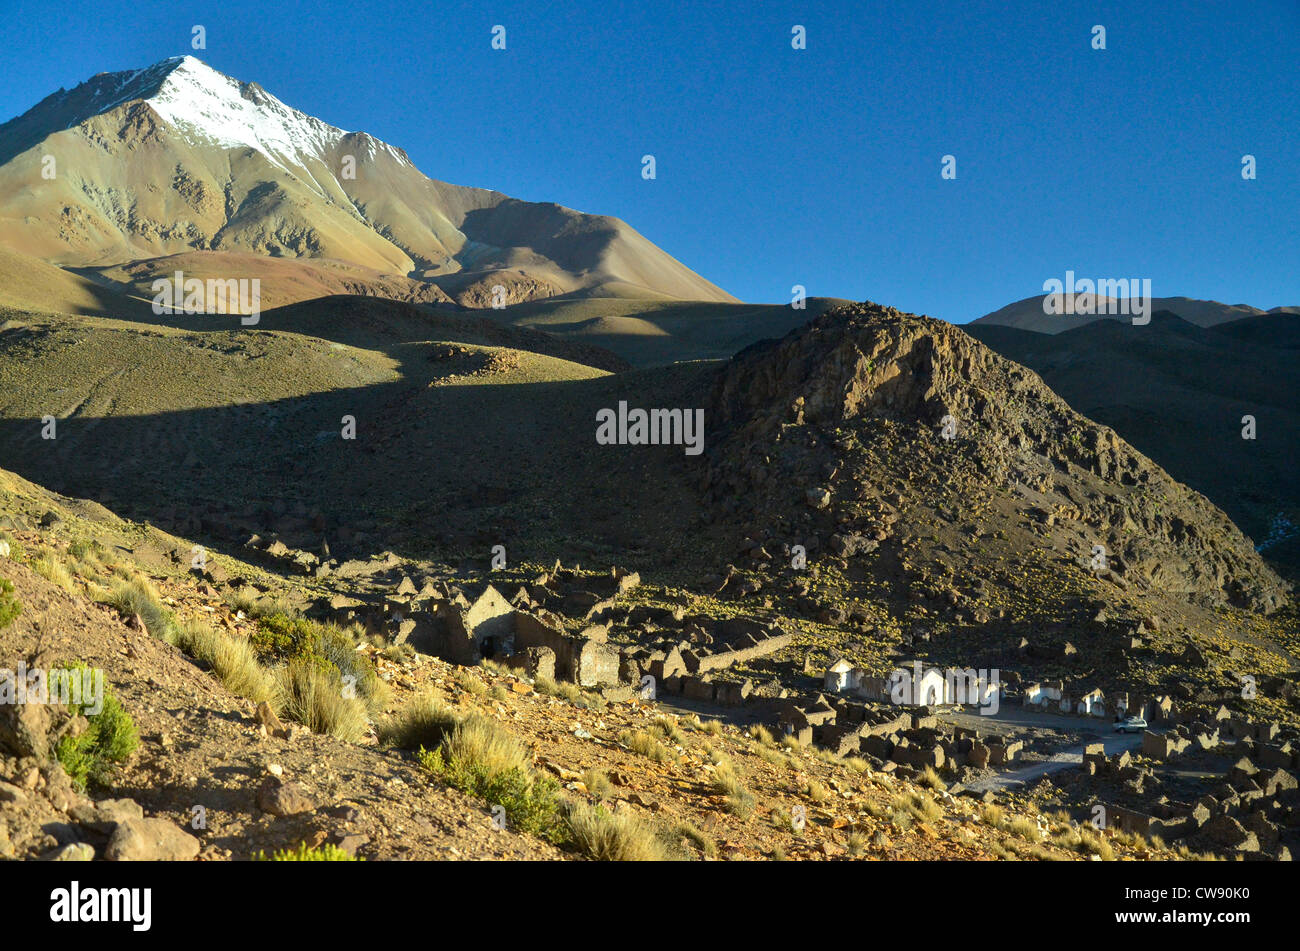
(840,677)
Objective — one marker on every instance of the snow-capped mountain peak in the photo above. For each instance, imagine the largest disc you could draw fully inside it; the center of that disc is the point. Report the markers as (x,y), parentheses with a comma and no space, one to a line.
(210,108)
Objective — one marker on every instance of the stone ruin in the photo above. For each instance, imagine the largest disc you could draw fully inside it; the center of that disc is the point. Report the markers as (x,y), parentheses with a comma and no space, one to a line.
(1254,812)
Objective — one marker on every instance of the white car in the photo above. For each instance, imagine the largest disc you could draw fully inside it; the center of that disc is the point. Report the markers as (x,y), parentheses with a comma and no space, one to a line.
(1131,725)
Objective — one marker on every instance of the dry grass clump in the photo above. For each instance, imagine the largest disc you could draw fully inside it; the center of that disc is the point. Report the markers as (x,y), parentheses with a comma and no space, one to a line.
(137,595)
(421,722)
(597,783)
(740,801)
(232,660)
(317,699)
(919,806)
(612,836)
(47,563)
(644,744)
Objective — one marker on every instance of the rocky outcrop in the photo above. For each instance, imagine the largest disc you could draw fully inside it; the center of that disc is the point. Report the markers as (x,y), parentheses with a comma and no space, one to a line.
(867,402)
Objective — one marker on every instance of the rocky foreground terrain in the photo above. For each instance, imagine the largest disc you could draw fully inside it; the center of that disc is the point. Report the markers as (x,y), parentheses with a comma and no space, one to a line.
(484,636)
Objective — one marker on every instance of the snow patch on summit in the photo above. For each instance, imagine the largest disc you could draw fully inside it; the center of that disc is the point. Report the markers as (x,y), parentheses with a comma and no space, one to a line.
(203,103)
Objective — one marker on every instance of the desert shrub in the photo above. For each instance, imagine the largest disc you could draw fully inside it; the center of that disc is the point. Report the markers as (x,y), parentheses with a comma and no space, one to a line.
(87,549)
(110,738)
(282,638)
(612,836)
(10,607)
(324,853)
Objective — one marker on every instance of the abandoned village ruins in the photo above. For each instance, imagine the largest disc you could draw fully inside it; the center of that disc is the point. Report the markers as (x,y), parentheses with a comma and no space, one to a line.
(560,625)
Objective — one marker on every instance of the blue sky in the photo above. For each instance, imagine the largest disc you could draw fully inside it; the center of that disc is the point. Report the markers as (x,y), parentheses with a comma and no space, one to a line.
(818,167)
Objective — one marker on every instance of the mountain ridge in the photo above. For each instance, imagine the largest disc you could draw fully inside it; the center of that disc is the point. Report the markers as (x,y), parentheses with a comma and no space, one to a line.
(178,157)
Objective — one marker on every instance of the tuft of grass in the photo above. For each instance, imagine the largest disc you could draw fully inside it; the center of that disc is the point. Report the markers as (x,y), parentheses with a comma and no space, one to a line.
(706,846)
(918,805)
(762,734)
(816,792)
(669,730)
(137,595)
(1025,828)
(422,722)
(232,660)
(403,654)
(109,738)
(931,780)
(315,697)
(52,568)
(644,744)
(597,783)
(740,801)
(471,684)
(612,836)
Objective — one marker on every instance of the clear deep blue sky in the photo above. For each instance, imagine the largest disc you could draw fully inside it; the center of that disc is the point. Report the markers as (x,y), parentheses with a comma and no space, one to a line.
(818,167)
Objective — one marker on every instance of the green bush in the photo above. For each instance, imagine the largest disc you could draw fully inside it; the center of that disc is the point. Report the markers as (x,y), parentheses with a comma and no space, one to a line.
(9,606)
(482,759)
(110,738)
(325,853)
(285,639)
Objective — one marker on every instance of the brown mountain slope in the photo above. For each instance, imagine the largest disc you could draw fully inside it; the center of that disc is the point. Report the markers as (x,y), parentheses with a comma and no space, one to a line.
(1178,393)
(283,280)
(28,283)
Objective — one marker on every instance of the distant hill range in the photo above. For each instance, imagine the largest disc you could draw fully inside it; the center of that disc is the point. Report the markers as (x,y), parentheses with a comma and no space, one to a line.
(1178,389)
(1028,314)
